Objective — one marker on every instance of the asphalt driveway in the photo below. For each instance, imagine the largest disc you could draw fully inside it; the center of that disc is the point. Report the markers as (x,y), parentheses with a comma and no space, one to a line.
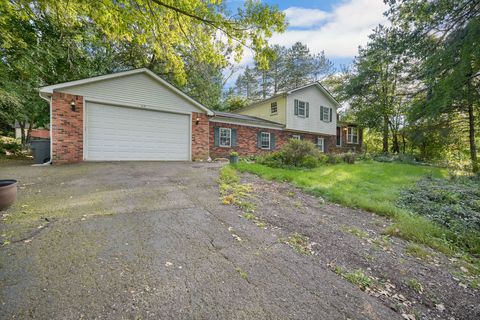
(152,240)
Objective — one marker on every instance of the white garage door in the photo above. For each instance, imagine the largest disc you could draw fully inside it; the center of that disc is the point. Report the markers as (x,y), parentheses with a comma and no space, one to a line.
(120,133)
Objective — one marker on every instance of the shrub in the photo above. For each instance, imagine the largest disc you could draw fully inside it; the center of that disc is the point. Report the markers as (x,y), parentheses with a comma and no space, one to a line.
(10,145)
(335,158)
(349,157)
(322,158)
(295,152)
(274,159)
(309,162)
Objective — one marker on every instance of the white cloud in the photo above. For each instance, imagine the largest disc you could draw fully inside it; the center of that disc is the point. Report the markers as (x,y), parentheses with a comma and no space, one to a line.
(302,17)
(341,31)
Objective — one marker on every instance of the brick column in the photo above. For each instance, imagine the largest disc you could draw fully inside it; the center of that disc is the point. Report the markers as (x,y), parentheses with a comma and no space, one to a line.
(67,128)
(200,136)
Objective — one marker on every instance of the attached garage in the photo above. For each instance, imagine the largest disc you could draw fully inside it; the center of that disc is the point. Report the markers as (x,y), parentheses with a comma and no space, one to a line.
(114,132)
(131,115)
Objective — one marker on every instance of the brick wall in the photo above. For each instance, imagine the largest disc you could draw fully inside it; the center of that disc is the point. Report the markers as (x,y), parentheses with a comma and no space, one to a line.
(67,128)
(40,133)
(247,140)
(200,136)
(348,147)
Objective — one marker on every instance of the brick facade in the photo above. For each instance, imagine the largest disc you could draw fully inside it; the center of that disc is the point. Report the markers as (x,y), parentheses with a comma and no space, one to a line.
(67,128)
(200,136)
(247,140)
(348,147)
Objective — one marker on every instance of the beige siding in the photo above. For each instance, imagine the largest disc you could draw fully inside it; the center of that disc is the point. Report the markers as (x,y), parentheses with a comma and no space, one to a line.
(315,98)
(137,90)
(262,110)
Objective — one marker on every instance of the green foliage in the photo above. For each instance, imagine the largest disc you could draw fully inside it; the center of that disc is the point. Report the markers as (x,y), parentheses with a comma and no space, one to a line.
(299,243)
(295,153)
(357,277)
(417,252)
(289,68)
(453,203)
(415,285)
(10,145)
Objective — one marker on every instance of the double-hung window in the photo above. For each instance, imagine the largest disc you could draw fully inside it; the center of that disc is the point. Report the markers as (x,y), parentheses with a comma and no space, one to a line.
(301,108)
(265,140)
(273,108)
(296,137)
(225,137)
(352,135)
(325,114)
(321,144)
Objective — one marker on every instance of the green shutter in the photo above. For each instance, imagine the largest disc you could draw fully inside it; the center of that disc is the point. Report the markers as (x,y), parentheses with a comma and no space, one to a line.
(259,139)
(272,141)
(321,112)
(306,109)
(330,115)
(234,137)
(296,107)
(216,136)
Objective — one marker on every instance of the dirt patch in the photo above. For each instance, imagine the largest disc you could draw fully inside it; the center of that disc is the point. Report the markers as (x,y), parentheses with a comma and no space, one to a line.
(414,281)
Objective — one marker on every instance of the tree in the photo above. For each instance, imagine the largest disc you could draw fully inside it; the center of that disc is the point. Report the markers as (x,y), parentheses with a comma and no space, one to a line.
(445,36)
(375,87)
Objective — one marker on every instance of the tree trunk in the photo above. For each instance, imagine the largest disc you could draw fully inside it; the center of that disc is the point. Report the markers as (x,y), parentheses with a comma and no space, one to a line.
(29,132)
(471,137)
(22,132)
(385,134)
(396,145)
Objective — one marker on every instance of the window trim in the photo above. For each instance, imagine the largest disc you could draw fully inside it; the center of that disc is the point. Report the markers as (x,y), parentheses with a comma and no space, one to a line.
(326,119)
(304,115)
(341,136)
(323,144)
(350,135)
(269,140)
(273,105)
(220,137)
(296,137)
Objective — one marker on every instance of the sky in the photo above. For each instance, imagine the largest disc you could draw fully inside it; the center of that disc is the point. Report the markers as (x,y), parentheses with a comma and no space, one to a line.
(337,27)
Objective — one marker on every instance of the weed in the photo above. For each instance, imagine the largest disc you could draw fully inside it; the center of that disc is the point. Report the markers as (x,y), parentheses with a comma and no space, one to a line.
(357,277)
(291,194)
(415,285)
(356,232)
(299,243)
(242,273)
(249,216)
(234,192)
(417,252)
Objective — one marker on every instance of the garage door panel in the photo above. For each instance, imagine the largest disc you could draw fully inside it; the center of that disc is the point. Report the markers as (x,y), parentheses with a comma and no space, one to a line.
(119,133)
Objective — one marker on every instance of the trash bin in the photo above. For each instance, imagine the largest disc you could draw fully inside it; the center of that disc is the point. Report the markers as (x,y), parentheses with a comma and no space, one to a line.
(40,150)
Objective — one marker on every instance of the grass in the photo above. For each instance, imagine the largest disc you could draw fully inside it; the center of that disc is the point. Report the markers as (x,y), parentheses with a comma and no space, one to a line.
(415,285)
(357,277)
(417,252)
(299,243)
(374,187)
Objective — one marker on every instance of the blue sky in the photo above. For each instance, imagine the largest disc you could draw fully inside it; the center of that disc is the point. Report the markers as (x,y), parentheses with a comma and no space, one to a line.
(337,27)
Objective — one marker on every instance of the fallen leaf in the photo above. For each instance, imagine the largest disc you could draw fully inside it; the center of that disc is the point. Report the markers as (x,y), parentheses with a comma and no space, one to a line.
(168,264)
(440,307)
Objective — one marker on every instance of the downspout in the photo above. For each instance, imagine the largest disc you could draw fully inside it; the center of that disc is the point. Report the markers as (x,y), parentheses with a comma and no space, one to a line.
(49,100)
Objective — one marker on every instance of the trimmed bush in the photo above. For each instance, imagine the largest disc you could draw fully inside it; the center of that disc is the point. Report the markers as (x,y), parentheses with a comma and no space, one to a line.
(295,152)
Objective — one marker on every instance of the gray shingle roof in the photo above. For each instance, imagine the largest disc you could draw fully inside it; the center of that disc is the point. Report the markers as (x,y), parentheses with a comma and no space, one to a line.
(245,118)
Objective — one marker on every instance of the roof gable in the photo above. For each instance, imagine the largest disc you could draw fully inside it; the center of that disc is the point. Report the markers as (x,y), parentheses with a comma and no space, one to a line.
(115,78)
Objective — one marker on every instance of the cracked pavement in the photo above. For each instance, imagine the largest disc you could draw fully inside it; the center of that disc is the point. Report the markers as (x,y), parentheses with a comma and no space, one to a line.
(151,240)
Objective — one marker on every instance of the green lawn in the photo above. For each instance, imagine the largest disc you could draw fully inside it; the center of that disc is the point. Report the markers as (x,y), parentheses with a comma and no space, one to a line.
(375,187)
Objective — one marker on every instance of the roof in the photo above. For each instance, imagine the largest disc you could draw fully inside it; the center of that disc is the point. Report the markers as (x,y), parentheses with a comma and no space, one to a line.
(47,90)
(316,83)
(246,118)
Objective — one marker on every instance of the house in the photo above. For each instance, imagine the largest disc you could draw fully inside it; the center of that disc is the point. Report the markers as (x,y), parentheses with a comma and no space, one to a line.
(136,115)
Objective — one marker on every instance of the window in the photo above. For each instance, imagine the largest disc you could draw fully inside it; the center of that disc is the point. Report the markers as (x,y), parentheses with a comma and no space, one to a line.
(296,137)
(352,135)
(339,136)
(325,114)
(321,144)
(225,137)
(301,108)
(265,140)
(273,108)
